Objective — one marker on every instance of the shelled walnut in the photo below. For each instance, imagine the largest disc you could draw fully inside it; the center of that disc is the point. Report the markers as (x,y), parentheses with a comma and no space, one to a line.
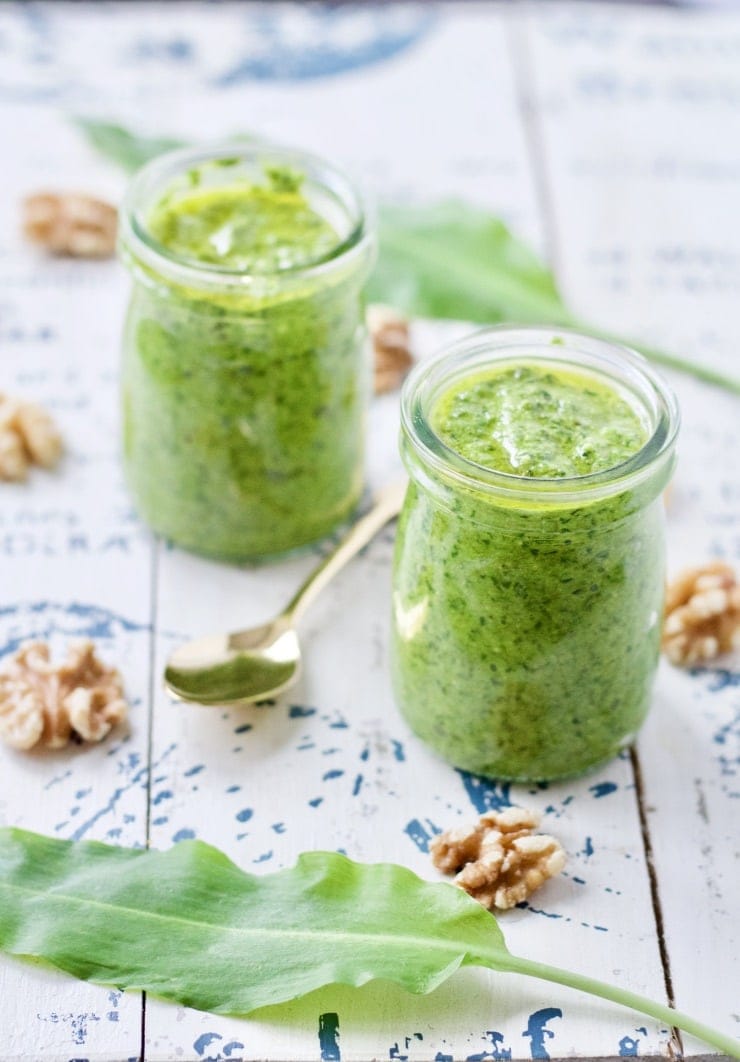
(28,436)
(702,614)
(389,333)
(500,860)
(71,224)
(46,704)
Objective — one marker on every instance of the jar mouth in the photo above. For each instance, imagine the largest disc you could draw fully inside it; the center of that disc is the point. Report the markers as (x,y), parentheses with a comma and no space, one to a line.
(624,370)
(328,190)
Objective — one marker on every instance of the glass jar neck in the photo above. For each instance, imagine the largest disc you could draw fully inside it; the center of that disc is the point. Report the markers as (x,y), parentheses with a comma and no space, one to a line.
(437,467)
(328,192)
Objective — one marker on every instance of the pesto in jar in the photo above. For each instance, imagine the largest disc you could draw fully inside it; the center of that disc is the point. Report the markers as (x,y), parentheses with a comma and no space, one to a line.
(526,629)
(244,376)
(539,422)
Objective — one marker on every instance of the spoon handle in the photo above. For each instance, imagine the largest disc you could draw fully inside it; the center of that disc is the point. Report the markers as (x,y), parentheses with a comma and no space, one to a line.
(388,504)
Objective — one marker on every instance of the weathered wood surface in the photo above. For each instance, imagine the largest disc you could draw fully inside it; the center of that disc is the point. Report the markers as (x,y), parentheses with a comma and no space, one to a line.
(609,137)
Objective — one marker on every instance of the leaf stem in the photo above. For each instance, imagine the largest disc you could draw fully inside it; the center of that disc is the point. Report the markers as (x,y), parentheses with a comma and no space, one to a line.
(671,1017)
(671,361)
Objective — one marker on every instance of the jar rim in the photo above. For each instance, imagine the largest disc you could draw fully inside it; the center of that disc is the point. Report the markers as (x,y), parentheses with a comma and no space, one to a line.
(567,348)
(151,182)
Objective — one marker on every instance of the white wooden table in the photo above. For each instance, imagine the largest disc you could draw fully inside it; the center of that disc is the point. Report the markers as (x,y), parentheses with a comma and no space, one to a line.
(610,137)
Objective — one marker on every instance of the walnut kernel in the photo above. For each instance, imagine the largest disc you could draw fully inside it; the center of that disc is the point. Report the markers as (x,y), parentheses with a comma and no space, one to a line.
(41,703)
(389,333)
(13,459)
(28,435)
(702,614)
(71,224)
(500,860)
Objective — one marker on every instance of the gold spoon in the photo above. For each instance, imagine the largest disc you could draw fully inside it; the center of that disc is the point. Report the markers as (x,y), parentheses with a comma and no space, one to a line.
(251,665)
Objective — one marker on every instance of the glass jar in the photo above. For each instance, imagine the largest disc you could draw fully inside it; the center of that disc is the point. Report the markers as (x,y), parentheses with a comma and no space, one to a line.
(244,392)
(527,612)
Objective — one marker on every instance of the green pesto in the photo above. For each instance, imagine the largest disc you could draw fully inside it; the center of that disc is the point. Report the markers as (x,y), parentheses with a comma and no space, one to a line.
(526,636)
(243,411)
(243,226)
(540,422)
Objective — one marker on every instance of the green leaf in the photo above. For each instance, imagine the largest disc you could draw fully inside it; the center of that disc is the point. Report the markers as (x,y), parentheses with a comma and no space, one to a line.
(451,260)
(119,145)
(189,926)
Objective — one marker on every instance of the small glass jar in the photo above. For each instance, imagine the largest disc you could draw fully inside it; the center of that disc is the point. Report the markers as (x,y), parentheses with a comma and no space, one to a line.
(244,393)
(527,612)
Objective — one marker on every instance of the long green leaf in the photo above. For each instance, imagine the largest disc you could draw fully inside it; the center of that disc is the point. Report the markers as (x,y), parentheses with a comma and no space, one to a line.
(188,925)
(451,260)
(121,146)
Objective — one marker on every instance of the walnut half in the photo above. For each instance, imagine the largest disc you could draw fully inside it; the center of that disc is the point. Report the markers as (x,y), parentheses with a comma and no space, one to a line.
(702,614)
(389,333)
(499,861)
(46,704)
(71,224)
(28,436)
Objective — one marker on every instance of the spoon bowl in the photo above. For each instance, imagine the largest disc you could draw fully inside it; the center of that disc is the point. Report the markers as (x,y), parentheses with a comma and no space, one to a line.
(260,662)
(247,666)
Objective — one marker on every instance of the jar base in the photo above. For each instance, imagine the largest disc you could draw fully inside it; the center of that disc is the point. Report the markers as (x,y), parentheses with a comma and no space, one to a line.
(522,778)
(260,560)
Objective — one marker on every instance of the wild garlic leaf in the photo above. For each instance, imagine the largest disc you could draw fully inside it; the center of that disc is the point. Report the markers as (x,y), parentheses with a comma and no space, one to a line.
(189,926)
(131,150)
(452,260)
(123,147)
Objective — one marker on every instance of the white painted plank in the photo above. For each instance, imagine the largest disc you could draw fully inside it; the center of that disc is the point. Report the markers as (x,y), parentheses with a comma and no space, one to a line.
(640,122)
(690,748)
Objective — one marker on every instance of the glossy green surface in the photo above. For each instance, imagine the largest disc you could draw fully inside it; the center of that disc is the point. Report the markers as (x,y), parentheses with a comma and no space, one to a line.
(539,422)
(246,227)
